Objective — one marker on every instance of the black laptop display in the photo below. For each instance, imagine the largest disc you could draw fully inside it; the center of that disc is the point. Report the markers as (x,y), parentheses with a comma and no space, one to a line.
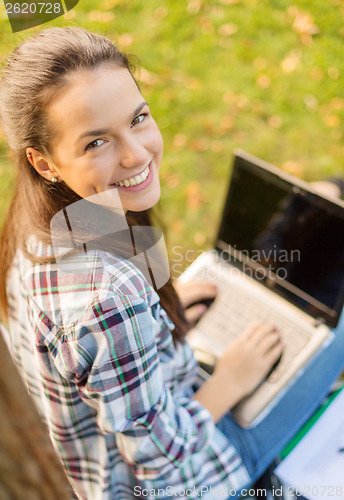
(285,235)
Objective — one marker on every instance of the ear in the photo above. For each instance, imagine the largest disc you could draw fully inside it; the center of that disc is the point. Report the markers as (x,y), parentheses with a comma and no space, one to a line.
(44,167)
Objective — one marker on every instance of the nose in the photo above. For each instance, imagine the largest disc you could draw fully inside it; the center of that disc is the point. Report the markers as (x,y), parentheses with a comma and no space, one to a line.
(133,153)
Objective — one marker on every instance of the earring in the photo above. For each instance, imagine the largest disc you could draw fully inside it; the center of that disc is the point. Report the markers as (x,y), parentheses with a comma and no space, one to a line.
(54,179)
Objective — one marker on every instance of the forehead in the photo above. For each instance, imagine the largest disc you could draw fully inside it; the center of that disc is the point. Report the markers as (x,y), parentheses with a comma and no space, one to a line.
(93,98)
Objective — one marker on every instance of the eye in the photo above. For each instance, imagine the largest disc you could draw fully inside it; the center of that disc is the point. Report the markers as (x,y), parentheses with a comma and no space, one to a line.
(94,144)
(139,119)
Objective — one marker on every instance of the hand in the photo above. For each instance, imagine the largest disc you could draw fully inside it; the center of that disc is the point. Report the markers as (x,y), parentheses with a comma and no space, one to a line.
(248,359)
(194,291)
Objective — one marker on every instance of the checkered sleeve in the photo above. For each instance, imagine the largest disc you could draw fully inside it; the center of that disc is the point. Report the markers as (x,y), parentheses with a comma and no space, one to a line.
(112,355)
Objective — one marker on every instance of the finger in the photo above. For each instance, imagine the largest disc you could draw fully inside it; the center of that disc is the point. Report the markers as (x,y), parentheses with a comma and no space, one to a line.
(274,353)
(256,331)
(262,331)
(196,290)
(193,313)
(270,340)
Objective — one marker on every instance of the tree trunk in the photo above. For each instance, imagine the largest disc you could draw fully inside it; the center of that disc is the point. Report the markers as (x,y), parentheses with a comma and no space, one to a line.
(29,467)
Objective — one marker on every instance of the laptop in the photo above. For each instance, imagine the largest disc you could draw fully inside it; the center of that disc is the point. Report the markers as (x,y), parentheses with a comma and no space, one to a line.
(278,258)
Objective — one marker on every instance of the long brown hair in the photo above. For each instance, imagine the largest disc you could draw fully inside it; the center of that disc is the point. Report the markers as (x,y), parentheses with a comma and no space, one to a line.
(37,69)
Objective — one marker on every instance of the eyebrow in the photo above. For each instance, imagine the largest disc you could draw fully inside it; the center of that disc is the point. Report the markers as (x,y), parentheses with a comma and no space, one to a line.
(102,131)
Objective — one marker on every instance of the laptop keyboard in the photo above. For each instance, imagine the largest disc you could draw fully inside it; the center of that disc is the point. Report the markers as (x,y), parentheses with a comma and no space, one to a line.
(234,309)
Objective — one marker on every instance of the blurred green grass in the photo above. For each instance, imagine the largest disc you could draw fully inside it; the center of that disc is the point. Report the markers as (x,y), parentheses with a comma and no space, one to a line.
(265,76)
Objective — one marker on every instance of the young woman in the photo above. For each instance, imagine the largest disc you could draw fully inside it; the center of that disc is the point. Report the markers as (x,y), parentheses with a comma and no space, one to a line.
(102,352)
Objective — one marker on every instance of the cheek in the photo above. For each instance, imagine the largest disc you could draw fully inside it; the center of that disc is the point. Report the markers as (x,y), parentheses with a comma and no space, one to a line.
(84,178)
(98,169)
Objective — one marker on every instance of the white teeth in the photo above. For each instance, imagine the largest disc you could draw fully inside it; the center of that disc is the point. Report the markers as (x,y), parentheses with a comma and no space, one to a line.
(134,181)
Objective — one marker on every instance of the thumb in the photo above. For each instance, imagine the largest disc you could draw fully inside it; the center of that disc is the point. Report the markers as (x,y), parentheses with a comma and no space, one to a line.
(194,313)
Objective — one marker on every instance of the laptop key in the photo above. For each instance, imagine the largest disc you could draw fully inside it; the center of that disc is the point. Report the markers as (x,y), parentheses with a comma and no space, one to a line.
(232,312)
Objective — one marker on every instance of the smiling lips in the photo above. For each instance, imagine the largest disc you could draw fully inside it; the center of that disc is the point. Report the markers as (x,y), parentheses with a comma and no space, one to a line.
(134,181)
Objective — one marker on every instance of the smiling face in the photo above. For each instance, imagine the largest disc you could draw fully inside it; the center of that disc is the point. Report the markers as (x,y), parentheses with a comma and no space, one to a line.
(105,138)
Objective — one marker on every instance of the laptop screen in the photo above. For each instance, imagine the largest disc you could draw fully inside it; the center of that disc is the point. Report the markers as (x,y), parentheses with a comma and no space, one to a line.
(286,236)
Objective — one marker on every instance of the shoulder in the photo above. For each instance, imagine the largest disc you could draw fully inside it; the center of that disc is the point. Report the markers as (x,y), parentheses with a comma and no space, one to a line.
(64,293)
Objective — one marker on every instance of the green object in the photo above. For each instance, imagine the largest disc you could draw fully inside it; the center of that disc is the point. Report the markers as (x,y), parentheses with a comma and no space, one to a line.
(303,431)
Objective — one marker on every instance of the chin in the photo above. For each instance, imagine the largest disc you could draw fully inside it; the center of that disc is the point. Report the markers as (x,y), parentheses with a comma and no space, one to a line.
(140,204)
(140,207)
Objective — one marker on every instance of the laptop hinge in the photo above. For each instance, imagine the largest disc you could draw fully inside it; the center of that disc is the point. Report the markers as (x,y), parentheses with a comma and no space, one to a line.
(319,321)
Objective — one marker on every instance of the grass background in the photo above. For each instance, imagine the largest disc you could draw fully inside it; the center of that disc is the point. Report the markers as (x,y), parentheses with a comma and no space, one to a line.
(265,76)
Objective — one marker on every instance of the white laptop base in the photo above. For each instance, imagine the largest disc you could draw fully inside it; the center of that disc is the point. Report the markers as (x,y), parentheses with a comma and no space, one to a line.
(240,301)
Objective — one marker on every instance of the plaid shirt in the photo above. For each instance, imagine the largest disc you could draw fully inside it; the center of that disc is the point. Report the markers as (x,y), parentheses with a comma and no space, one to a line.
(95,350)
